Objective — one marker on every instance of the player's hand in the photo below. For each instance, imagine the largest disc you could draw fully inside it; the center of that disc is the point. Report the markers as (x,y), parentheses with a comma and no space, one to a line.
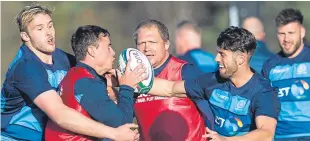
(213,136)
(126,132)
(133,77)
(113,94)
(112,78)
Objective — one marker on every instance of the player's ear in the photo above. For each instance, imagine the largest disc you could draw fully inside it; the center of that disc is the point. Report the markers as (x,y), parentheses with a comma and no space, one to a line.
(25,37)
(167,45)
(303,32)
(241,58)
(91,50)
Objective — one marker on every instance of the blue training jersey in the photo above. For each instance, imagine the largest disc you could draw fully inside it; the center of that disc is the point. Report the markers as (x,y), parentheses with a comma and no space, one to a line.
(292,78)
(261,54)
(234,108)
(26,78)
(203,60)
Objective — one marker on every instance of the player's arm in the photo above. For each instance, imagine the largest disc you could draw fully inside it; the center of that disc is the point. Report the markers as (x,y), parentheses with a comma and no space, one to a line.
(192,88)
(32,80)
(267,108)
(67,118)
(162,87)
(265,130)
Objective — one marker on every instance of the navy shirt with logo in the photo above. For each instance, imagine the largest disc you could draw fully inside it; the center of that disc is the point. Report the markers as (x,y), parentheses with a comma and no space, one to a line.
(292,77)
(26,78)
(234,108)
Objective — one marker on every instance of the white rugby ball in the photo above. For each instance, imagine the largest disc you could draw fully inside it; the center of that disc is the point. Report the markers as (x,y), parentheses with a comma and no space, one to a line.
(137,58)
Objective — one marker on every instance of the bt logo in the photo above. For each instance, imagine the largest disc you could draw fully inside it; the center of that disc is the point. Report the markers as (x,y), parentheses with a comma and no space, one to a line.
(284,91)
(220,121)
(299,89)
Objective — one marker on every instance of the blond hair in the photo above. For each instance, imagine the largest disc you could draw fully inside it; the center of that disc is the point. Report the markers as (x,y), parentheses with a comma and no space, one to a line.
(27,14)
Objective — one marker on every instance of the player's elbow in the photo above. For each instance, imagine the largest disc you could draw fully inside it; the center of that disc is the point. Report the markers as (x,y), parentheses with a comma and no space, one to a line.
(59,116)
(269,135)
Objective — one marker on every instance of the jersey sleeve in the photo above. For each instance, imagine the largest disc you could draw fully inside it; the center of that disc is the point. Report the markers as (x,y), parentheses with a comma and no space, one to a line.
(31,79)
(190,71)
(196,91)
(195,88)
(267,103)
(93,97)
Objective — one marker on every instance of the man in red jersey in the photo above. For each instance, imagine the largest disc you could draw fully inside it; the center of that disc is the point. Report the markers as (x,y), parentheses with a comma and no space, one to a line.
(165,118)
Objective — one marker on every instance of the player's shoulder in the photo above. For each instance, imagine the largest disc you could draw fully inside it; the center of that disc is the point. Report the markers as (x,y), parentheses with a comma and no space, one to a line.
(307,49)
(64,57)
(273,60)
(27,67)
(95,85)
(212,79)
(263,84)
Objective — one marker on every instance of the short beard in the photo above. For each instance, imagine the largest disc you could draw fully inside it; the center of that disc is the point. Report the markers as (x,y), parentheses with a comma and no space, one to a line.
(296,47)
(230,71)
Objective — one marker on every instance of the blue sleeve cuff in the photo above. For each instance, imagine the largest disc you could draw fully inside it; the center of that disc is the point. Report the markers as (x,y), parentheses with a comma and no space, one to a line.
(126,88)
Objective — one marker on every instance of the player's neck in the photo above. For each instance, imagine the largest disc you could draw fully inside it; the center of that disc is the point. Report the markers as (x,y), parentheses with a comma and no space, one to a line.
(241,77)
(163,61)
(44,57)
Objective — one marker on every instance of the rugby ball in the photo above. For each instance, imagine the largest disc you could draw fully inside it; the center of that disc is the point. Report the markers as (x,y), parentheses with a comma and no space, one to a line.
(137,58)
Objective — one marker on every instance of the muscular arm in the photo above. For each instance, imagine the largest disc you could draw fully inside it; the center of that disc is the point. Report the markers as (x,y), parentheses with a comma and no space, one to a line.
(162,87)
(267,108)
(67,118)
(32,80)
(265,130)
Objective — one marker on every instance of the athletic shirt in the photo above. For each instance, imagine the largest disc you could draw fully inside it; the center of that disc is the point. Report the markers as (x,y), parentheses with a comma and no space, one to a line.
(169,119)
(234,108)
(205,61)
(26,78)
(292,78)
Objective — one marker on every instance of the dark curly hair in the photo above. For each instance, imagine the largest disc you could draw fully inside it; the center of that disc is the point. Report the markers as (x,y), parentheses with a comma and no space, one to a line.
(237,39)
(289,15)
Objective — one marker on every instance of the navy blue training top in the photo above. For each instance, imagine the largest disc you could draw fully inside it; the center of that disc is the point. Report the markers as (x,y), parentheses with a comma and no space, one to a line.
(261,54)
(26,78)
(234,108)
(292,77)
(203,60)
(92,95)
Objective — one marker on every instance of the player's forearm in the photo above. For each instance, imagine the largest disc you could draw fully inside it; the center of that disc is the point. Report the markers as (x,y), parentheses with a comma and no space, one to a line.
(255,135)
(178,89)
(73,121)
(162,87)
(126,102)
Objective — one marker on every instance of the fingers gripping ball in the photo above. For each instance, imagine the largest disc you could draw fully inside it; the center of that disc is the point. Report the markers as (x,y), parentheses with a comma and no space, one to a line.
(137,58)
